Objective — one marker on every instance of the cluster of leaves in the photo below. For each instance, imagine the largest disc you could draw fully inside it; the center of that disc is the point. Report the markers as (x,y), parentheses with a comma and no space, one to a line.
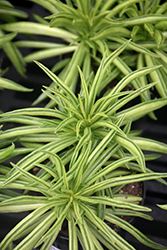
(90,28)
(85,117)
(83,145)
(78,189)
(78,148)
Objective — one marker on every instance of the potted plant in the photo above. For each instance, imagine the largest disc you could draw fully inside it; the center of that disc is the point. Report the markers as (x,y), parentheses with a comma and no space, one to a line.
(78,147)
(91,28)
(75,114)
(73,196)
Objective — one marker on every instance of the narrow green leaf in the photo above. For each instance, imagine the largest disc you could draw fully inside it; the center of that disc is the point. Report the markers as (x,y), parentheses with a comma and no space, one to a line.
(150,144)
(73,241)
(122,181)
(103,227)
(157,77)
(57,224)
(149,18)
(100,73)
(36,234)
(133,231)
(59,83)
(6,152)
(141,109)
(7,38)
(114,165)
(86,235)
(8,84)
(133,148)
(38,29)
(36,112)
(163,206)
(48,53)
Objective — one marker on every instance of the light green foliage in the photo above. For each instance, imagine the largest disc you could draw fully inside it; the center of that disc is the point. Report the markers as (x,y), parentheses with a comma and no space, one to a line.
(85,152)
(84,117)
(90,28)
(67,193)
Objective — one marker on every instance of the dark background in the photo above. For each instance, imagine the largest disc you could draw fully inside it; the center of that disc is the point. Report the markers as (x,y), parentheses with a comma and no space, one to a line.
(156,193)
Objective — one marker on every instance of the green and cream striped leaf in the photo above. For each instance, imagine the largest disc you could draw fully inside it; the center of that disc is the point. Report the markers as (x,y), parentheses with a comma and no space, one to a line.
(31,177)
(86,138)
(141,109)
(85,91)
(86,235)
(25,223)
(36,112)
(132,148)
(22,203)
(48,53)
(157,77)
(101,71)
(25,130)
(135,46)
(133,231)
(22,119)
(120,6)
(68,122)
(104,102)
(122,181)
(49,242)
(60,83)
(6,152)
(114,165)
(104,228)
(73,241)
(37,233)
(93,167)
(38,29)
(37,156)
(103,238)
(57,224)
(149,18)
(120,103)
(150,144)
(79,172)
(131,213)
(109,31)
(127,71)
(112,202)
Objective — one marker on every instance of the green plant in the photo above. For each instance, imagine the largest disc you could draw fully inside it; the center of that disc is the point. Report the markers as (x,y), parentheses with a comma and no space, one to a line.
(65,190)
(90,28)
(78,146)
(78,119)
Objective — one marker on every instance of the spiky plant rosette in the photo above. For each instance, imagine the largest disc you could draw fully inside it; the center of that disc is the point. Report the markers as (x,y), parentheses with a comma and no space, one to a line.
(8,14)
(78,119)
(81,193)
(89,28)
